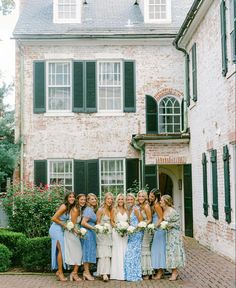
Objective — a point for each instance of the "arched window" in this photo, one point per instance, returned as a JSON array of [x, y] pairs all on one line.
[[169, 115]]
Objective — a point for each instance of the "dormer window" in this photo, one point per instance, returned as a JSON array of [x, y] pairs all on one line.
[[157, 11], [67, 11]]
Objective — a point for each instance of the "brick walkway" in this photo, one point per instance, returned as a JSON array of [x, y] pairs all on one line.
[[204, 269]]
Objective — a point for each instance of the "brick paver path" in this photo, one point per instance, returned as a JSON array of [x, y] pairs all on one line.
[[204, 269]]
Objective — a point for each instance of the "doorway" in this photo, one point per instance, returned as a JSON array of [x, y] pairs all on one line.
[[165, 184]]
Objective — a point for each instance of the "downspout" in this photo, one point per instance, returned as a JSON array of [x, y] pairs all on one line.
[[142, 151], [21, 136], [186, 85]]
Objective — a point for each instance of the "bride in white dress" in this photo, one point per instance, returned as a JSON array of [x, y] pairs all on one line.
[[73, 249], [119, 214]]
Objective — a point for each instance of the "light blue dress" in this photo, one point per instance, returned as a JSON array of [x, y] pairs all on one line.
[[132, 265], [56, 233], [158, 249], [89, 242]]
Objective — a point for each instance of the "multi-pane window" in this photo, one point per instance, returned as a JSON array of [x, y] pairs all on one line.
[[60, 173], [233, 29], [110, 86], [67, 9], [112, 176], [59, 86], [158, 11], [169, 115]]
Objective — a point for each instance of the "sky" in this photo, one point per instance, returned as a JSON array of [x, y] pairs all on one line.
[[7, 50]]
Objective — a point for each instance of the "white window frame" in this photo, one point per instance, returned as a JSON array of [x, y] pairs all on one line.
[[100, 172], [121, 84], [47, 86], [49, 161], [56, 18], [173, 123], [159, 21]]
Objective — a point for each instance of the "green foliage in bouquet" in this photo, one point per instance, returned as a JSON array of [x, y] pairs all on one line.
[[5, 258], [36, 253], [10, 239], [30, 211]]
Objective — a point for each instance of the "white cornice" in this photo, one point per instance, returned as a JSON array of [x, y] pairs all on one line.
[[183, 42]]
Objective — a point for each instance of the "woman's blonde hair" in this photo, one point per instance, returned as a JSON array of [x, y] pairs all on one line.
[[89, 196], [117, 198], [168, 200], [108, 194], [130, 195]]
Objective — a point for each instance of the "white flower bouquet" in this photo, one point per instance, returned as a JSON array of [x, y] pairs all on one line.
[[131, 229], [70, 225], [164, 225], [121, 228], [102, 228], [151, 228], [80, 231], [141, 226]]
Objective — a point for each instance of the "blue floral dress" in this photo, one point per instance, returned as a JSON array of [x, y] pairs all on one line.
[[56, 233], [175, 255], [132, 265], [89, 242]]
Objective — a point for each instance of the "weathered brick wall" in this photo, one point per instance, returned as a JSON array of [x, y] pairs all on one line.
[[212, 125], [91, 136]]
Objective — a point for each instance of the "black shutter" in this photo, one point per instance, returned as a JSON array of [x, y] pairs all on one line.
[[92, 177], [151, 115], [40, 172], [204, 181], [182, 115], [223, 38], [91, 100], [214, 184], [187, 94], [194, 72], [78, 87], [129, 87], [132, 172], [79, 176], [188, 205], [233, 33], [150, 176], [39, 87], [227, 184]]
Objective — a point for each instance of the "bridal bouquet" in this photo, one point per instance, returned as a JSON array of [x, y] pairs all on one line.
[[121, 228], [164, 225], [151, 228], [102, 228], [141, 226]]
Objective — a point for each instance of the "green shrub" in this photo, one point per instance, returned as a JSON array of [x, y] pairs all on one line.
[[5, 258], [10, 239], [30, 211], [36, 253]]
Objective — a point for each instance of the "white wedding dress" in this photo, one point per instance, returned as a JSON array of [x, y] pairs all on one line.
[[118, 250]]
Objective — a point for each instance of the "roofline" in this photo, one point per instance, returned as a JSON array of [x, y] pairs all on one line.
[[92, 36], [188, 20]]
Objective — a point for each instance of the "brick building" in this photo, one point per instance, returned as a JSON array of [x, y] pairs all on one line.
[[104, 98]]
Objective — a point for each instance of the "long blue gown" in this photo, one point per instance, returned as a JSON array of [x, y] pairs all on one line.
[[132, 265], [89, 242], [158, 249], [56, 233]]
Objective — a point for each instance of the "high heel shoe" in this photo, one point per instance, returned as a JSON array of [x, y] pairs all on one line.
[[174, 277], [105, 278], [158, 276], [74, 277], [87, 277], [61, 277]]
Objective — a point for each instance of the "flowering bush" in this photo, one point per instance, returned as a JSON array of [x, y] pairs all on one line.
[[30, 211]]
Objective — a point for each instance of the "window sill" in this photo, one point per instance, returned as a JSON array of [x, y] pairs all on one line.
[[59, 114], [110, 114]]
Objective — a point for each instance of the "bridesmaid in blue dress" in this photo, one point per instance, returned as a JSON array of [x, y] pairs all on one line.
[[132, 263], [158, 248], [89, 242], [56, 233]]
